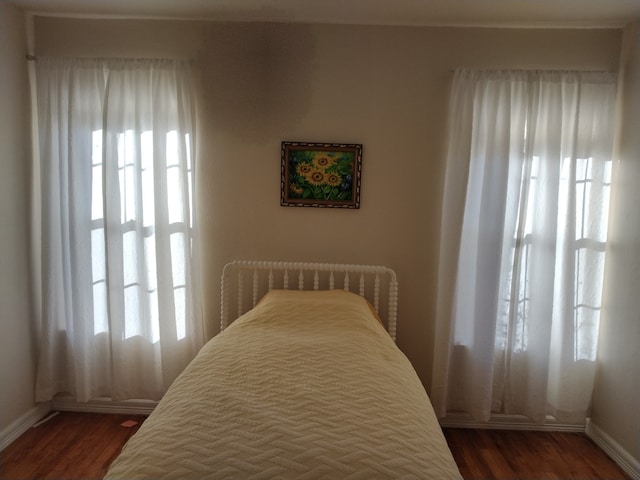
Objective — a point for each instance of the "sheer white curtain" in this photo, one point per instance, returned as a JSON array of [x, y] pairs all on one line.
[[522, 244], [121, 313]]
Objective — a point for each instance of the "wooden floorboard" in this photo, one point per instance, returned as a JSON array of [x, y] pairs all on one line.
[[68, 446], [515, 454], [83, 445]]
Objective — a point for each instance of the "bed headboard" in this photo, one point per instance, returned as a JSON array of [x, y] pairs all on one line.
[[245, 282]]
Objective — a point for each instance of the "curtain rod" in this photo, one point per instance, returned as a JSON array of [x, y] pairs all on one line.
[[31, 58], [453, 70]]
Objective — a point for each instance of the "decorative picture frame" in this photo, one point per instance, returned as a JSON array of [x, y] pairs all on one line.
[[320, 174]]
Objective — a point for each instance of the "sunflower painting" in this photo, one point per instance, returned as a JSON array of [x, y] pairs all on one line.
[[320, 174]]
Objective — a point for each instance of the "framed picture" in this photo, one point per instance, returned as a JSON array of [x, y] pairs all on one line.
[[320, 174]]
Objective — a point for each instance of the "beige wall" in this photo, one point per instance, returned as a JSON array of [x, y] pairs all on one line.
[[616, 399], [16, 340], [384, 87]]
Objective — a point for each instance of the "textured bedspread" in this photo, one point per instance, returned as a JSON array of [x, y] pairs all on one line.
[[307, 385]]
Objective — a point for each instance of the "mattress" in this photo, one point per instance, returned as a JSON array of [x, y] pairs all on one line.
[[306, 385]]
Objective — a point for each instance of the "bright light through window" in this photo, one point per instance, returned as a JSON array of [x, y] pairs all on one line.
[[138, 178]]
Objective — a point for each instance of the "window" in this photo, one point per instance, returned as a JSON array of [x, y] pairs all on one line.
[[520, 333], [121, 305]]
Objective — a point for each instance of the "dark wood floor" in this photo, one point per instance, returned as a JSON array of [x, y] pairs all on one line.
[[69, 446], [510, 454], [83, 445]]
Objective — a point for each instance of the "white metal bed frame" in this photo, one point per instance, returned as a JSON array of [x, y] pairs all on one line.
[[244, 282]]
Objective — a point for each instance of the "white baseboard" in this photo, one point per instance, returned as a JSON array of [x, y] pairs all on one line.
[[619, 455], [104, 405], [23, 423], [508, 422]]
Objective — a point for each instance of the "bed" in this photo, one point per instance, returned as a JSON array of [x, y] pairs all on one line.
[[304, 381]]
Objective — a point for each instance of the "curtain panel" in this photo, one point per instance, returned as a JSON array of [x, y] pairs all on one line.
[[121, 311], [523, 236]]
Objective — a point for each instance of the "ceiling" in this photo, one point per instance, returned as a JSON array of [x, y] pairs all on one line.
[[514, 13]]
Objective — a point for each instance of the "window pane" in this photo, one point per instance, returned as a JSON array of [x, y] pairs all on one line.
[[127, 175], [175, 195], [132, 324], [147, 177], [174, 180], [98, 271], [178, 263], [96, 176]]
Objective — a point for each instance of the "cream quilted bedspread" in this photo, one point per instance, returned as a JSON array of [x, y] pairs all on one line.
[[307, 385]]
